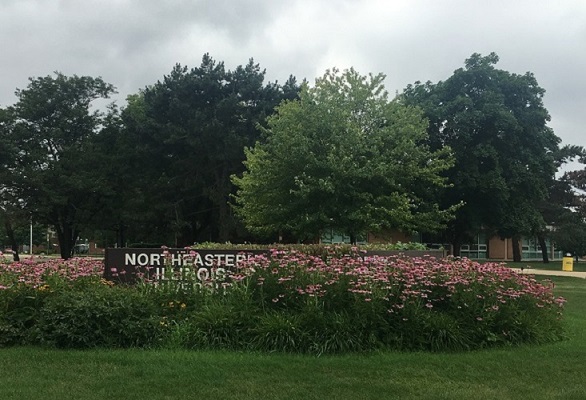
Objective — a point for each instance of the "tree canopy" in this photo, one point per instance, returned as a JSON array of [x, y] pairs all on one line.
[[470, 153], [496, 125], [342, 157], [50, 173], [187, 135]]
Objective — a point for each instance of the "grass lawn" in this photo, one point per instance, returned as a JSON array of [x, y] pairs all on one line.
[[555, 371], [552, 265]]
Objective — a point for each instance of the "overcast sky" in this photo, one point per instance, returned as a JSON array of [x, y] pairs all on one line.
[[133, 43]]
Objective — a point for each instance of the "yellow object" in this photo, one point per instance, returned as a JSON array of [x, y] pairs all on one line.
[[567, 264]]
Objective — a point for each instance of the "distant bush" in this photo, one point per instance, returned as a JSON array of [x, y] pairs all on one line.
[[315, 249], [300, 247], [286, 301], [146, 245]]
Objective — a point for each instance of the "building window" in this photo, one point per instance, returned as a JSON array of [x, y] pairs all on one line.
[[332, 237], [530, 250], [477, 249]]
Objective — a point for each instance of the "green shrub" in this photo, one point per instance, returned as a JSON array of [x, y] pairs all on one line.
[[99, 316], [321, 250], [279, 331], [335, 332], [215, 326], [19, 312]]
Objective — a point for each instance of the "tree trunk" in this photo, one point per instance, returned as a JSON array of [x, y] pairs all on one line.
[[516, 248], [221, 198], [223, 222], [456, 245], [121, 236], [543, 246], [11, 238], [353, 239], [66, 236]]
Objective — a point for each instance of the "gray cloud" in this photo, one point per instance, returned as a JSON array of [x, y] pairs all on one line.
[[133, 43]]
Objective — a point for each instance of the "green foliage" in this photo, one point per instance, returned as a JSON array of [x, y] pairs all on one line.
[[99, 316], [505, 154], [395, 246], [342, 157], [311, 331], [279, 332], [570, 236], [315, 249], [443, 332], [54, 173], [218, 325], [570, 222], [117, 175], [19, 312], [181, 140]]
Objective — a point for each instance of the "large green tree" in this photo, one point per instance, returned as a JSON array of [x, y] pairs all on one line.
[[52, 174], [185, 137], [496, 124], [342, 157]]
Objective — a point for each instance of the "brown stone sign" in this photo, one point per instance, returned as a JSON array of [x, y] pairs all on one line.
[[126, 264]]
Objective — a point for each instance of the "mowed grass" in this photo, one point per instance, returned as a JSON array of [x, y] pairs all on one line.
[[552, 265], [555, 371]]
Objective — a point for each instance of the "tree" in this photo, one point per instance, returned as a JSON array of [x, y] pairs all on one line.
[[496, 125], [561, 197], [8, 230], [52, 174], [7, 212], [570, 232], [113, 155], [342, 157], [187, 134]]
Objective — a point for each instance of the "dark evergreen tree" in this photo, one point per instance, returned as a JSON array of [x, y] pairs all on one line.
[[187, 135]]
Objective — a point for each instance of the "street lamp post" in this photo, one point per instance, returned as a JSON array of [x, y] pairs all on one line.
[[30, 249]]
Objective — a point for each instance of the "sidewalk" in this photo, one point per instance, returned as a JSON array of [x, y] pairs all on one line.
[[531, 271]]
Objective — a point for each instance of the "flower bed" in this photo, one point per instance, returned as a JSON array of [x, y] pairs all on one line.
[[410, 303], [286, 301], [34, 272]]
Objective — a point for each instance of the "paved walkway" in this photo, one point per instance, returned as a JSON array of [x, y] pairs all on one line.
[[531, 271]]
